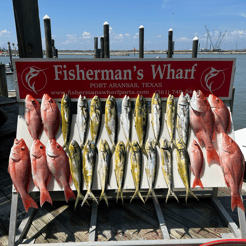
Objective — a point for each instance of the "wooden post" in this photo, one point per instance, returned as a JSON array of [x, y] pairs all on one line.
[[170, 43], [28, 28], [3, 81], [195, 47], [141, 41], [53, 47], [55, 53], [102, 47], [10, 57], [106, 39], [47, 30], [95, 47]]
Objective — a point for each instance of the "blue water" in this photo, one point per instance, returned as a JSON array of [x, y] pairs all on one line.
[[239, 109]]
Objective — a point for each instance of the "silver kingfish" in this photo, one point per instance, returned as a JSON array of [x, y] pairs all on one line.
[[183, 118], [151, 166], [156, 115], [171, 116], [95, 117]]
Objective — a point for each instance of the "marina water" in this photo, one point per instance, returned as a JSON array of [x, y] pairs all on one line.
[[239, 108]]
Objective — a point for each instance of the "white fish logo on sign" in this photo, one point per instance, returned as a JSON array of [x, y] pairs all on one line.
[[208, 81], [29, 77]]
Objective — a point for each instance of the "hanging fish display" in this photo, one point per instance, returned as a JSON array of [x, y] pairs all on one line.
[[171, 109]]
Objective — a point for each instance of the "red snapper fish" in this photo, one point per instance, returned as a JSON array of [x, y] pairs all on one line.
[[58, 163], [51, 116], [202, 123], [221, 113], [233, 164], [20, 172], [40, 171], [33, 117], [196, 161]]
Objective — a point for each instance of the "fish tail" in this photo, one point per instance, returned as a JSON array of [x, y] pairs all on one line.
[[89, 193], [45, 197], [80, 197], [153, 194], [191, 192], [28, 202], [119, 192], [212, 155], [196, 182], [236, 201], [69, 194], [170, 191], [137, 192], [103, 196]]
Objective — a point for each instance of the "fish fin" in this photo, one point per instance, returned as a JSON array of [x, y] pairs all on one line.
[[103, 196], [197, 182], [170, 191], [80, 197], [137, 192], [168, 194], [70, 180], [212, 155], [228, 130], [236, 201], [191, 192], [28, 202], [153, 194], [89, 193], [69, 194], [214, 135], [119, 192], [45, 197]]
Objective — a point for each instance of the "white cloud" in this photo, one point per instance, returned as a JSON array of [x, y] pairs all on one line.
[[164, 3], [71, 39], [135, 36], [86, 35], [243, 15], [159, 36], [183, 39], [4, 32], [127, 35]]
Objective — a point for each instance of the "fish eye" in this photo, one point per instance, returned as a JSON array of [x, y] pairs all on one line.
[[41, 147], [23, 148], [231, 140], [217, 99], [204, 100], [58, 146]]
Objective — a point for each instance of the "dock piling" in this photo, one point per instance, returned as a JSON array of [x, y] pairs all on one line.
[[3, 81], [28, 28], [53, 47], [195, 47], [141, 41], [96, 47], [47, 30], [10, 56], [101, 47], [106, 39], [170, 43]]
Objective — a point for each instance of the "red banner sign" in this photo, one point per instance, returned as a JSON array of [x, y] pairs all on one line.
[[119, 77]]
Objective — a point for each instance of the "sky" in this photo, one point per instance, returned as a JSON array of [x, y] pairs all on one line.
[[75, 23]]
